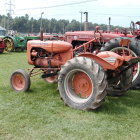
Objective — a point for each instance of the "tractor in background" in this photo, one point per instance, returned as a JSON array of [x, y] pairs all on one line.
[[17, 43], [2, 46], [135, 28], [109, 41], [134, 46], [83, 80]]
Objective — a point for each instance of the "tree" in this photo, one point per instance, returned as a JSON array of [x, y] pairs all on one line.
[[24, 24]]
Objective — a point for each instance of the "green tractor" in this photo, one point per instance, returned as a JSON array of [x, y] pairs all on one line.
[[17, 43]]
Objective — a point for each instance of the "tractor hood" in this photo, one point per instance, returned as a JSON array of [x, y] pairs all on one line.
[[50, 46], [88, 35]]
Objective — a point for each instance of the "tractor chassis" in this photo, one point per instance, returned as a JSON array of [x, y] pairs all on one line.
[[46, 72]]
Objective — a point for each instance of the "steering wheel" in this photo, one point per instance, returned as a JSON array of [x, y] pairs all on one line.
[[101, 39]]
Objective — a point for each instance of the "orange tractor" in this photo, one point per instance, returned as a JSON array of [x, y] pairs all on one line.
[[83, 80]]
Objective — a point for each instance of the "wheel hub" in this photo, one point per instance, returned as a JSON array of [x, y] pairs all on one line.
[[82, 85], [18, 82]]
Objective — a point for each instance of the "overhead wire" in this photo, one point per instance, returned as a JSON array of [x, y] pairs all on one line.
[[54, 6], [74, 3]]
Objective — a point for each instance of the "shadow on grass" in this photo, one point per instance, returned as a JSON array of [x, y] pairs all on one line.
[[121, 104], [112, 105]]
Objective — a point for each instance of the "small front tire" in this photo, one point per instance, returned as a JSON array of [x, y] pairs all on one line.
[[20, 81]]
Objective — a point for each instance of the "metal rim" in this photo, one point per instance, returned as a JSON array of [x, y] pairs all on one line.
[[78, 86], [18, 81], [8, 44], [136, 69]]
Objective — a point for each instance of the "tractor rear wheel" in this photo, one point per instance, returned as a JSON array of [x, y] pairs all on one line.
[[121, 84], [9, 45], [82, 84], [20, 80], [113, 45]]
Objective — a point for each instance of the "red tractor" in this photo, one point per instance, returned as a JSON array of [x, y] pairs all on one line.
[[109, 41], [83, 80], [2, 46]]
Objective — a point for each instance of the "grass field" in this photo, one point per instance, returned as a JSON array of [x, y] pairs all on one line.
[[40, 114]]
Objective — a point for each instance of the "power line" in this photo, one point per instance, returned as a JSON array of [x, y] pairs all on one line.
[[117, 15], [9, 12], [93, 15], [68, 4], [10, 9]]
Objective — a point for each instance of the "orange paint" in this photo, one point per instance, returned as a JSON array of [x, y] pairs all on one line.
[[82, 85]]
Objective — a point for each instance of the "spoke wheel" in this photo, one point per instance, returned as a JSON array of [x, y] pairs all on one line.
[[136, 68], [113, 45]]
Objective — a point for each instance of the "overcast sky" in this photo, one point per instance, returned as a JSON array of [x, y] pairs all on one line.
[[122, 12]]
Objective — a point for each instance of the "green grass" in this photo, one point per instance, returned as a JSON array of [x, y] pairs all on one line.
[[40, 114]]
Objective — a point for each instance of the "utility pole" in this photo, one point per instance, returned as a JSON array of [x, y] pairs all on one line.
[[32, 25], [9, 13], [86, 22], [109, 21], [81, 21], [41, 28]]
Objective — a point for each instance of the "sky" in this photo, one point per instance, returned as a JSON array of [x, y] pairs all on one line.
[[122, 12]]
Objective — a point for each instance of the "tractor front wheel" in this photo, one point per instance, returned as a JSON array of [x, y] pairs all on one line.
[[20, 80], [82, 84]]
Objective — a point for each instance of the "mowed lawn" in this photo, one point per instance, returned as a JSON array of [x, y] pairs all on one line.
[[41, 115]]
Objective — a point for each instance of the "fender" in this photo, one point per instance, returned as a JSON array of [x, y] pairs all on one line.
[[103, 62]]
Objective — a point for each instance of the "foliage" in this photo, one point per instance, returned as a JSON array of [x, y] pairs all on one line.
[[25, 24], [40, 114]]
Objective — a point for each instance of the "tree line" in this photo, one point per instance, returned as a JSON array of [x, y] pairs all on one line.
[[24, 24]]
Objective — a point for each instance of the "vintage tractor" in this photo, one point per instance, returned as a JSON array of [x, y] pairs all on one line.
[[2, 46], [17, 43], [13, 43], [83, 80], [109, 41]]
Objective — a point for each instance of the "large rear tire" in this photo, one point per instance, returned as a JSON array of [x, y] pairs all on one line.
[[82, 84], [113, 45], [20, 81]]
